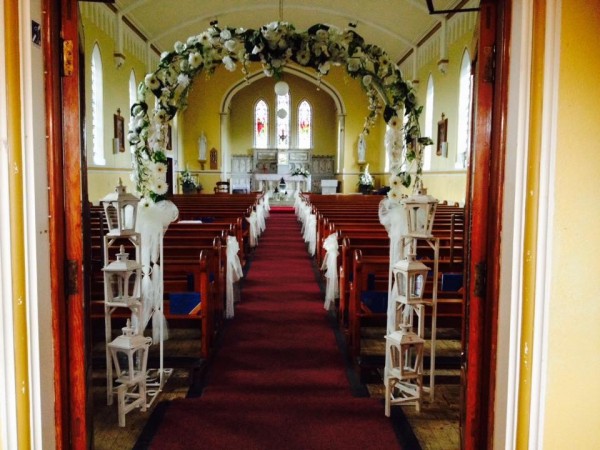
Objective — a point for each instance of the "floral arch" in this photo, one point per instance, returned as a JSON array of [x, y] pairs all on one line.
[[274, 46]]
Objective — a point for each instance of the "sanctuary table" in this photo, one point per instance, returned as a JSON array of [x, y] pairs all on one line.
[[271, 180]]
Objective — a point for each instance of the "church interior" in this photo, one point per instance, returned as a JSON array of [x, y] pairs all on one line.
[[282, 224]]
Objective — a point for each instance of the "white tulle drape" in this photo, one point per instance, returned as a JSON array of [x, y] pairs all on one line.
[[152, 222], [234, 273], [253, 231], [330, 266], [310, 233], [393, 217]]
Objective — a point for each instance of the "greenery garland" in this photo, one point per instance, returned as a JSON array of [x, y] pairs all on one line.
[[274, 45]]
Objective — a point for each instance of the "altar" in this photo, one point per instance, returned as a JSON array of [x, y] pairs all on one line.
[[269, 181]]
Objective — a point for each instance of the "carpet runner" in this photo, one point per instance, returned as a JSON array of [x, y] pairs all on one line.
[[278, 379]]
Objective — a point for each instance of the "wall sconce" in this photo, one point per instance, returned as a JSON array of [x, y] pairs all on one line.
[[443, 65], [119, 59]]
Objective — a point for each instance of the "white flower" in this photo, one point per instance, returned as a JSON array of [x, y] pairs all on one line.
[[324, 68], [179, 47], [268, 72], [146, 202], [161, 115], [395, 182], [322, 35], [353, 64], [183, 80], [303, 57], [276, 63], [229, 63], [395, 122], [367, 80], [225, 35], [184, 65], [159, 171], [151, 81], [159, 187], [195, 59], [204, 38], [192, 40], [230, 45], [163, 55]]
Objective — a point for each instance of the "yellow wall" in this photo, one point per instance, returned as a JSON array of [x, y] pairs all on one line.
[[103, 179], [443, 180], [573, 391], [202, 114]]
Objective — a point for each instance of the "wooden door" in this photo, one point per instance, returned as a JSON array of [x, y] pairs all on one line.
[[484, 216], [65, 169]]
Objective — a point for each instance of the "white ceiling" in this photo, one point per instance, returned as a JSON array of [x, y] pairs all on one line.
[[395, 25]]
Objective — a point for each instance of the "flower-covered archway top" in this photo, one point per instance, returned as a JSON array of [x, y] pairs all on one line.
[[275, 45]]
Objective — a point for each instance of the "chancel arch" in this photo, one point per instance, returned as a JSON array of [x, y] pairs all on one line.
[[322, 100]]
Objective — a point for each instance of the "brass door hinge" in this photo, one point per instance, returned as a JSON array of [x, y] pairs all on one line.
[[72, 286], [67, 58], [489, 59], [480, 279]]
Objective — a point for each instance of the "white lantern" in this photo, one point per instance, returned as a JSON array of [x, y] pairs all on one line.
[[132, 348], [120, 210], [410, 276], [281, 88], [420, 212], [120, 289], [404, 375]]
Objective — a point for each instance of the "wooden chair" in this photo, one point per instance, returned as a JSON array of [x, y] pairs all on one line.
[[222, 187]]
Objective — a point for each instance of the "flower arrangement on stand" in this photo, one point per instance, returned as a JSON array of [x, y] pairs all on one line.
[[365, 181], [188, 182], [300, 171]]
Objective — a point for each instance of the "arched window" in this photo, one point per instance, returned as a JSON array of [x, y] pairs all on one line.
[[132, 89], [283, 121], [304, 125], [428, 123], [261, 124], [97, 108], [465, 95]]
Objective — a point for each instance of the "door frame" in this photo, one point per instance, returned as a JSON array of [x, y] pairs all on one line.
[[484, 214], [65, 166]]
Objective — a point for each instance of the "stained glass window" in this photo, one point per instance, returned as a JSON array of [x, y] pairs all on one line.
[[304, 125], [261, 124], [283, 121]]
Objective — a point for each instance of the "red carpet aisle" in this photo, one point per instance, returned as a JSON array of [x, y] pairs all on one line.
[[278, 379]]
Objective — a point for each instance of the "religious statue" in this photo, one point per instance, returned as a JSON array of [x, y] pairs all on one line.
[[362, 148], [202, 147]]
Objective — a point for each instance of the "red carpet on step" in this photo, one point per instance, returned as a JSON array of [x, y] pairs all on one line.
[[278, 380]]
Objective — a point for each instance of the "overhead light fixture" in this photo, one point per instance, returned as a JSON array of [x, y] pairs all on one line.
[[457, 9], [119, 59], [281, 88]]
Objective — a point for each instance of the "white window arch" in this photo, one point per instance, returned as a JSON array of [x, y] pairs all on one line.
[[261, 124], [305, 122], [428, 131], [97, 108], [465, 96]]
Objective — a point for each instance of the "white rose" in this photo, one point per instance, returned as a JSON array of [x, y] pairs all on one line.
[[179, 47], [225, 34], [229, 63], [230, 45], [195, 59]]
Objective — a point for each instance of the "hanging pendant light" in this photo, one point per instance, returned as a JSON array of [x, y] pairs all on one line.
[[281, 88]]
